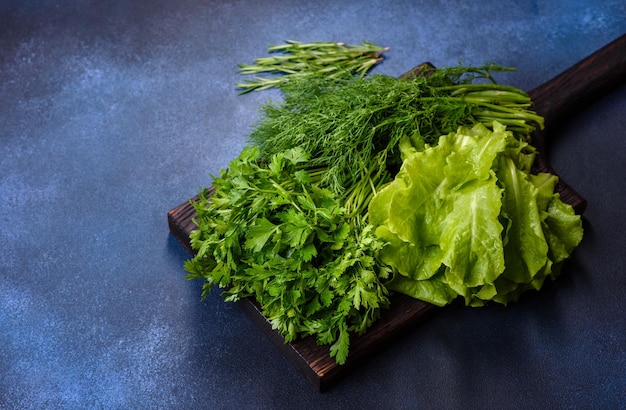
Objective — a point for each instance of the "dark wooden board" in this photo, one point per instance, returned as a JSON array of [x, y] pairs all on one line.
[[556, 99]]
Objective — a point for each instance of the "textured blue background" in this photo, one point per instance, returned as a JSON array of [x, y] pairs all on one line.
[[113, 112]]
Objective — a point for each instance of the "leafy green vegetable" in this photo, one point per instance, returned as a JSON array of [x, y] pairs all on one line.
[[466, 218], [268, 231]]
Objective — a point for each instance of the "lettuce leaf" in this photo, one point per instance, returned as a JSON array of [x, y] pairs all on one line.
[[466, 218]]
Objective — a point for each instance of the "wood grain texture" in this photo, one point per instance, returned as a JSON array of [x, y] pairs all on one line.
[[555, 100]]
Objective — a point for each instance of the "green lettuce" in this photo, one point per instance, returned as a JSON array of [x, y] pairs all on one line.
[[467, 218]]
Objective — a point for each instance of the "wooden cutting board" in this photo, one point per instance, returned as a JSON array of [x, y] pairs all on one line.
[[555, 100]]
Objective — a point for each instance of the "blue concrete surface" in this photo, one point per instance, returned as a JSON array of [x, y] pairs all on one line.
[[113, 112]]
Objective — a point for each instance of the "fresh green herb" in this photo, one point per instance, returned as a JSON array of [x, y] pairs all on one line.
[[268, 231], [298, 59], [350, 126]]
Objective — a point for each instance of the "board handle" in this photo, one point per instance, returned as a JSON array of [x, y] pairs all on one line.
[[582, 83], [570, 91]]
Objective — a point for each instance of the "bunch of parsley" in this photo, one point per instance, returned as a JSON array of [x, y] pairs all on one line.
[[268, 231]]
